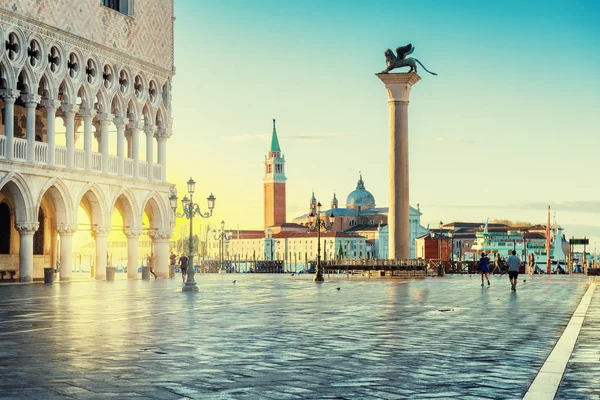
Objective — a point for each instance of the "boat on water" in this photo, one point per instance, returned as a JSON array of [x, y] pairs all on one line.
[[501, 243]]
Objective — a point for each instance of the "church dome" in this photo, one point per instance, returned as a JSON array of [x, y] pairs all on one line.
[[360, 198]]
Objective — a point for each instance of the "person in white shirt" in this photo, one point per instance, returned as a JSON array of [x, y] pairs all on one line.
[[513, 270]]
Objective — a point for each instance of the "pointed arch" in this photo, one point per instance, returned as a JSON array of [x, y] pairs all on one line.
[[154, 207], [7, 78], [103, 103], [58, 195], [26, 81], [93, 201], [47, 88], [125, 202], [133, 112], [66, 92], [161, 118], [86, 97], [117, 106], [20, 197], [148, 114]]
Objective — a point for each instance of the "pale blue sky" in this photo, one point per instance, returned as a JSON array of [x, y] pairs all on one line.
[[510, 124]]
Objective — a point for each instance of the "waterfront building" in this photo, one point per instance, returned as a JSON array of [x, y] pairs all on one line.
[[103, 71]]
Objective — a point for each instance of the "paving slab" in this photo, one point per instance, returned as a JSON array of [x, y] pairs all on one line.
[[284, 337]]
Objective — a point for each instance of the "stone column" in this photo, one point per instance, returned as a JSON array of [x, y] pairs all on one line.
[[398, 87], [149, 130], [104, 119], [132, 251], [135, 147], [66, 232], [26, 231], [9, 96], [120, 123], [51, 106], [31, 101], [161, 137], [101, 236], [70, 111], [160, 239], [88, 115]]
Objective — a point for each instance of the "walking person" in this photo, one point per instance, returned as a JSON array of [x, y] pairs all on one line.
[[513, 270], [183, 262], [484, 267]]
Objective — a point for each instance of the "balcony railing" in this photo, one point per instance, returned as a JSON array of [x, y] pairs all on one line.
[[40, 155]]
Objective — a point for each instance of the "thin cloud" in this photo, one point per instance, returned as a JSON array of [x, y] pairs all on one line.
[[261, 137], [450, 140]]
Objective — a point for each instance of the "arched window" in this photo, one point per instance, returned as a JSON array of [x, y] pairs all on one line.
[[4, 229], [38, 236]]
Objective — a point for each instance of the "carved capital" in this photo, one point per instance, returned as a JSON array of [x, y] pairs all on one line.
[[163, 133], [132, 232], [100, 231], [9, 95], [51, 104], [120, 122], [105, 118], [87, 113], [161, 234], [27, 228], [398, 85], [70, 109], [149, 129], [133, 124], [31, 99], [66, 229]]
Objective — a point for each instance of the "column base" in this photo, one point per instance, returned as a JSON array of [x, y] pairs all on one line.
[[26, 279], [190, 287]]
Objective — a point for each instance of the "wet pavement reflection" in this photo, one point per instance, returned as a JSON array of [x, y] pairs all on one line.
[[280, 337]]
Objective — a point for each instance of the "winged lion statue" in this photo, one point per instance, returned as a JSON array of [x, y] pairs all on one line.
[[400, 60]]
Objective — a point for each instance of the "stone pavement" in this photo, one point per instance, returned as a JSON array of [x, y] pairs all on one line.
[[581, 379], [282, 337]]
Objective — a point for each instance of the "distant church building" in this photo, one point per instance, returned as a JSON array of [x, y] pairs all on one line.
[[360, 229], [362, 217]]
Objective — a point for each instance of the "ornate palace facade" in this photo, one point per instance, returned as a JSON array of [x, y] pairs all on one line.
[[103, 69]]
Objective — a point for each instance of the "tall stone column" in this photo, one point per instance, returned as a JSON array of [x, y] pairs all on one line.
[[101, 236], [31, 101], [161, 137], [398, 87], [160, 239], [66, 232], [132, 251], [70, 111], [105, 120], [9, 96], [149, 130], [26, 231], [135, 147], [120, 123], [88, 115], [51, 107]]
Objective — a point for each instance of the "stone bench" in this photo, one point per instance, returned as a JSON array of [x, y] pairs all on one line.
[[8, 272]]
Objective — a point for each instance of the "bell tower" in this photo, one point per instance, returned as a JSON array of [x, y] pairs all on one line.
[[274, 184]]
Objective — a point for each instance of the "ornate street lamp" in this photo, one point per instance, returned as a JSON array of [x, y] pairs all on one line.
[[316, 222], [221, 235], [189, 210], [450, 235]]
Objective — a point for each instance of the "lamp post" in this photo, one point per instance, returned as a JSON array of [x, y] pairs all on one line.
[[316, 223], [440, 246], [189, 210], [221, 235]]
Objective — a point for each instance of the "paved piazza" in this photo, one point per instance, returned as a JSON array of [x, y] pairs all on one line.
[[284, 337]]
